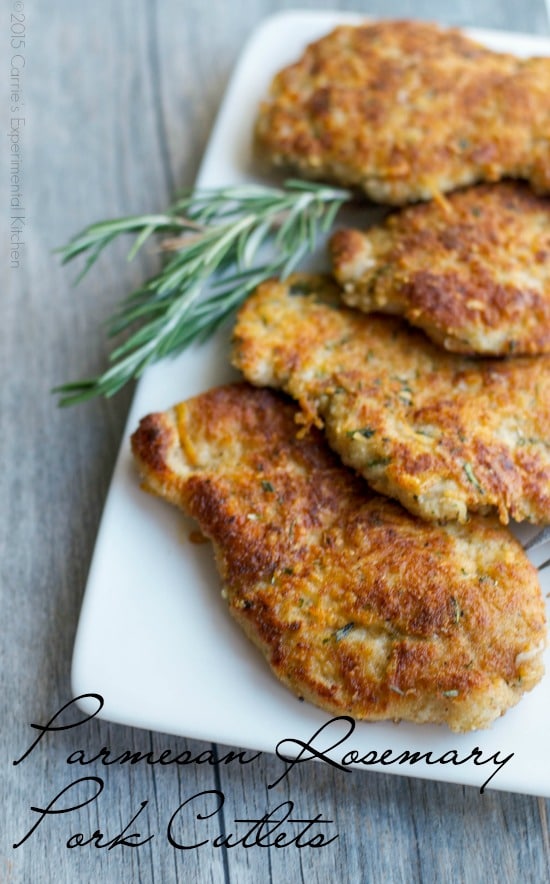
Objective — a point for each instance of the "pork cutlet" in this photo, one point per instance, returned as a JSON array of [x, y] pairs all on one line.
[[404, 110], [472, 272], [446, 435], [358, 606]]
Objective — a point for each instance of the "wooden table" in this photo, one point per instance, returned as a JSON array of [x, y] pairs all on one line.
[[119, 99]]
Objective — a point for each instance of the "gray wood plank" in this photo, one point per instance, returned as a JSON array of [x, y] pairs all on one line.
[[119, 102]]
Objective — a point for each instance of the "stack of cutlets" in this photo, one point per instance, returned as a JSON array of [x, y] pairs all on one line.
[[359, 513]]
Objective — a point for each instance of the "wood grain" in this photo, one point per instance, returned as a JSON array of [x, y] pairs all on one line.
[[119, 102]]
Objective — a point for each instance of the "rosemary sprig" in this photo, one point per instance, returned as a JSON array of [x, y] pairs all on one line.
[[221, 243]]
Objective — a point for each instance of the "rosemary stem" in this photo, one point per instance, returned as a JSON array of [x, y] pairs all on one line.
[[208, 272]]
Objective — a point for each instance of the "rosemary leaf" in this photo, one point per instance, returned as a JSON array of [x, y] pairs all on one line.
[[213, 240]]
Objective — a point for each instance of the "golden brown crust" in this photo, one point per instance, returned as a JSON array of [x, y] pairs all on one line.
[[444, 434], [473, 272], [358, 606], [405, 110]]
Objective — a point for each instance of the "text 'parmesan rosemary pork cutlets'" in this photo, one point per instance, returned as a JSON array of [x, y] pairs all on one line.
[[444, 434], [473, 272], [404, 110], [358, 606]]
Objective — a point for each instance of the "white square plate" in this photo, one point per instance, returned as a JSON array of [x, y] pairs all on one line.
[[155, 638]]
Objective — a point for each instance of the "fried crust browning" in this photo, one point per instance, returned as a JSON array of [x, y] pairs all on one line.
[[404, 110], [473, 272], [444, 434], [358, 606]]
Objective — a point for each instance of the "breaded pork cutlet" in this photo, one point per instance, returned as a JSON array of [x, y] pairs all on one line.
[[405, 110], [473, 272], [358, 606], [444, 434]]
